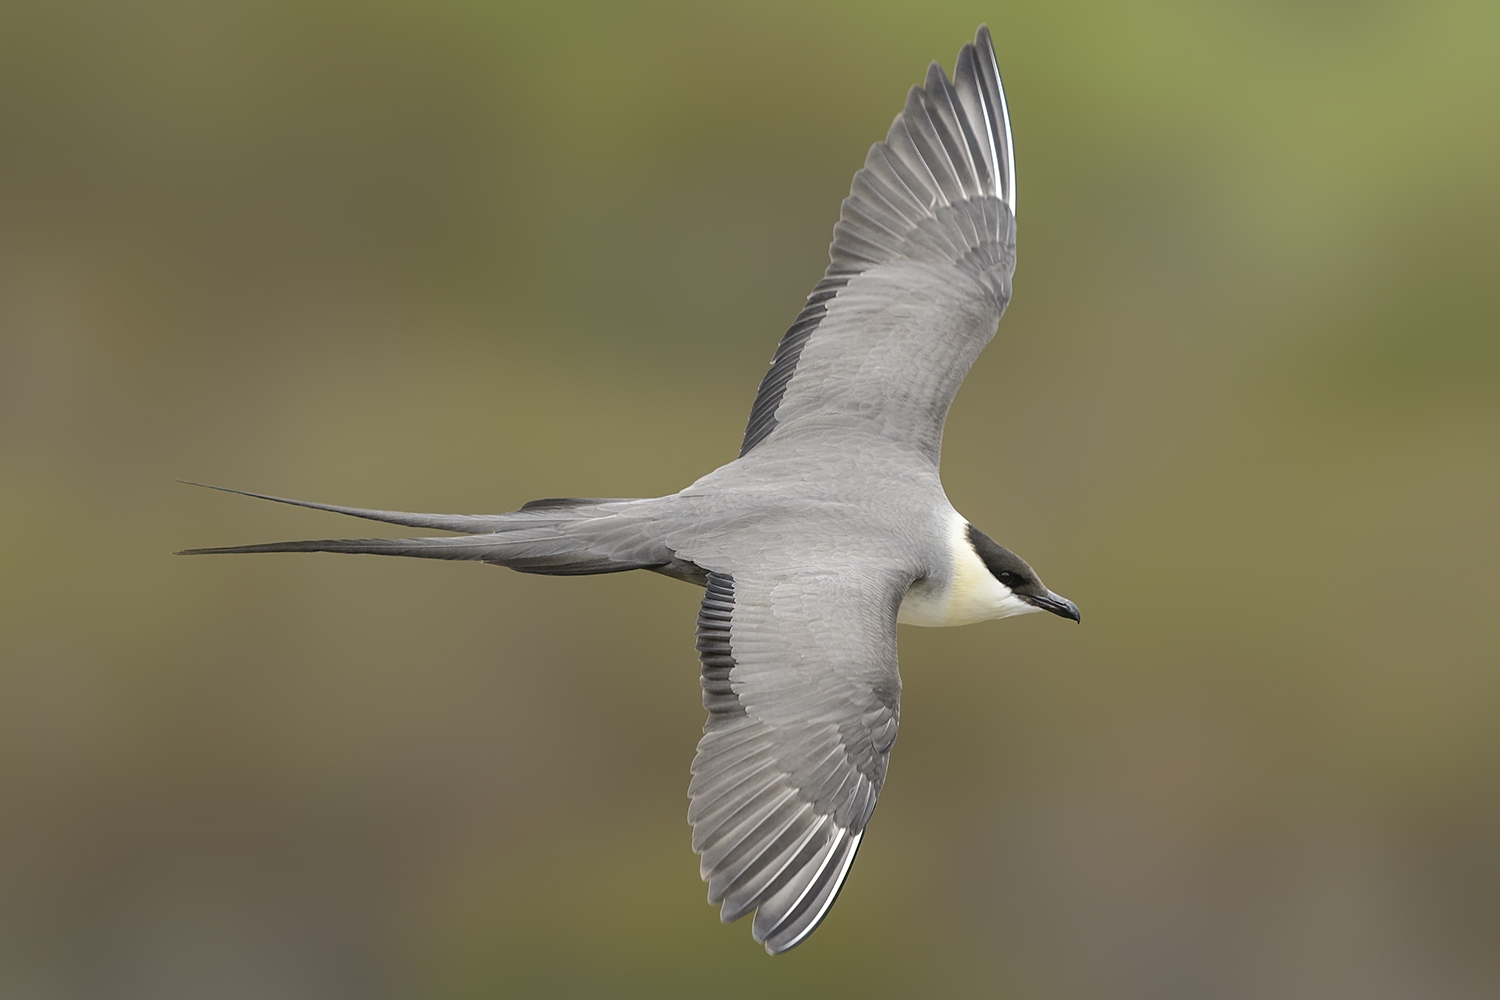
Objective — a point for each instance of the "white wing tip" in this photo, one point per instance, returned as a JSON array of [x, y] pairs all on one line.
[[838, 883], [984, 42]]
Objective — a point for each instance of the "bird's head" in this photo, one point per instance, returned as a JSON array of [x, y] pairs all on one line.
[[1018, 578]]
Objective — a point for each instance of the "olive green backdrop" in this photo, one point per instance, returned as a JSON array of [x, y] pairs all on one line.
[[1244, 409]]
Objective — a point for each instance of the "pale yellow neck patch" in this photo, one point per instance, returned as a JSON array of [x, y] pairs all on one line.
[[970, 594]]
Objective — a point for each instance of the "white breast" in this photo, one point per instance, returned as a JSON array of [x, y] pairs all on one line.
[[971, 594]]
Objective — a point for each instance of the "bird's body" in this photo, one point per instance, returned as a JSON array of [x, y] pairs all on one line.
[[830, 527]]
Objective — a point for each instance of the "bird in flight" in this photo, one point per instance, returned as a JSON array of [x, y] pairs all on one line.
[[832, 524]]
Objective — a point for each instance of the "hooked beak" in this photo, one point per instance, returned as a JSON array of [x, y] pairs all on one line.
[[1057, 605]]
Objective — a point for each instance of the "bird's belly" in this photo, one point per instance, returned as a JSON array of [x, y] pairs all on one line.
[[926, 605], [934, 607]]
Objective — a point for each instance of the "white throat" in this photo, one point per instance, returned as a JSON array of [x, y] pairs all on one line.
[[971, 594]]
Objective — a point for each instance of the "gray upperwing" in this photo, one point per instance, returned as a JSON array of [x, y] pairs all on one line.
[[919, 271], [800, 680]]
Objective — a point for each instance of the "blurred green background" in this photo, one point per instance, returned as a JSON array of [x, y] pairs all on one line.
[[1244, 409]]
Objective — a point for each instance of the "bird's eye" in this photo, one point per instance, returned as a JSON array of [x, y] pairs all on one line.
[[1008, 578]]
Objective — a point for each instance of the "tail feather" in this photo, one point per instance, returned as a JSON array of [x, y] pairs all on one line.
[[426, 548], [468, 523], [569, 537]]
